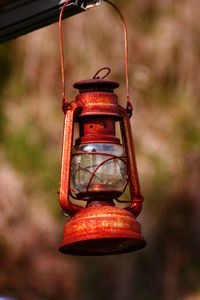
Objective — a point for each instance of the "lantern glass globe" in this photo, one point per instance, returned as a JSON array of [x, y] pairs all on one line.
[[97, 165]]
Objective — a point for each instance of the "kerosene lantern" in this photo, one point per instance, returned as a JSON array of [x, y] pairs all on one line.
[[96, 169]]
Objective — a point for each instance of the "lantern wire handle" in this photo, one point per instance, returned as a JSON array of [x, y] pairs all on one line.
[[64, 98], [129, 104]]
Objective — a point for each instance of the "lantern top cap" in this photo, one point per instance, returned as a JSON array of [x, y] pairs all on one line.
[[96, 85]]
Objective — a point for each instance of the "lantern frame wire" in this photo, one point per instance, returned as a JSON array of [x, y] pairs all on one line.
[[122, 158], [112, 157]]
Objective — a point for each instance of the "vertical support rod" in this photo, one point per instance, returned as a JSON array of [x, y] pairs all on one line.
[[71, 111], [134, 184]]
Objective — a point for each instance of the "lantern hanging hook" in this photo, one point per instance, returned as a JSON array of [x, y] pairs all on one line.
[[99, 71], [64, 97]]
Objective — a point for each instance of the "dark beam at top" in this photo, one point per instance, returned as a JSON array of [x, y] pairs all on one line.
[[23, 16]]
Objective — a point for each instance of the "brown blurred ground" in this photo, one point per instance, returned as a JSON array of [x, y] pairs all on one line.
[[164, 41]]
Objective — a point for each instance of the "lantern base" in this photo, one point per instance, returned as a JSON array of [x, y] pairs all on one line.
[[102, 229]]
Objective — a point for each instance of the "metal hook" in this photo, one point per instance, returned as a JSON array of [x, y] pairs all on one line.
[[99, 77]]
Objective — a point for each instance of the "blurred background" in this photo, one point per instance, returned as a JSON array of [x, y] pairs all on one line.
[[164, 59]]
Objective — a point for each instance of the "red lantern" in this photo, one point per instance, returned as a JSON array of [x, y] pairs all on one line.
[[96, 170]]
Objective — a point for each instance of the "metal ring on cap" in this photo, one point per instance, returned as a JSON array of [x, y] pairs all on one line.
[[99, 71]]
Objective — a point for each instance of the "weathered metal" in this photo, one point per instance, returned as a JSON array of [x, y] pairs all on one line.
[[100, 228]]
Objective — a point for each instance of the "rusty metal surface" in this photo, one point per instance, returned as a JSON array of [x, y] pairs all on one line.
[[134, 184], [96, 128], [102, 229], [98, 103], [99, 229], [66, 205]]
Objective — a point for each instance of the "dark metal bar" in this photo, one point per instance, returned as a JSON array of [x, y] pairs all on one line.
[[23, 16]]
